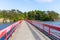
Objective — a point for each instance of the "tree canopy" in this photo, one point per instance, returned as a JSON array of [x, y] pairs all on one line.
[[16, 15]]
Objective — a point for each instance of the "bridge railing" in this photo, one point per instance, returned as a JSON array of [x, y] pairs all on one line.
[[50, 29], [6, 33]]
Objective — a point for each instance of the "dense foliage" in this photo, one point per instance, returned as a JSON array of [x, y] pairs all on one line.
[[31, 15]]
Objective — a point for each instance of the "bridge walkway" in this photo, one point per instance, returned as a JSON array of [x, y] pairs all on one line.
[[26, 31]]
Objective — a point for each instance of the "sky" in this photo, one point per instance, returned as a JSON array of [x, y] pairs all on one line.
[[28, 5]]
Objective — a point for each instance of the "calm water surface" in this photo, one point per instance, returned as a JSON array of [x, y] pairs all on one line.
[[4, 25], [56, 23]]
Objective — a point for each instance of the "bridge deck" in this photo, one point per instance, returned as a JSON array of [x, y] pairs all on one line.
[[26, 31]]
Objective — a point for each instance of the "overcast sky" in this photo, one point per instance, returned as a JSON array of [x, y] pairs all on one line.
[[27, 5]]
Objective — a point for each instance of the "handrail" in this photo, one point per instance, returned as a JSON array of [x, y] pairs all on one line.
[[46, 25], [2, 33], [53, 27], [9, 28]]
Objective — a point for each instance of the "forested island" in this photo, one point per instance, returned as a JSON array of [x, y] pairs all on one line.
[[15, 15]]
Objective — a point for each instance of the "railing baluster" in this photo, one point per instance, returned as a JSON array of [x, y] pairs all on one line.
[[43, 28], [49, 31], [6, 36]]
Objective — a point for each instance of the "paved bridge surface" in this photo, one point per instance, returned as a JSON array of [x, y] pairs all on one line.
[[26, 31]]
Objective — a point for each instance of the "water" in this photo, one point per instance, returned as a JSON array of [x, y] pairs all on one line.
[[56, 23], [4, 25]]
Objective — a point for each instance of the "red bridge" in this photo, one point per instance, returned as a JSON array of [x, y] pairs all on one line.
[[30, 30]]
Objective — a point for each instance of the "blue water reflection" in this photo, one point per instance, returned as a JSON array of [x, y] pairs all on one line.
[[4, 25], [56, 23]]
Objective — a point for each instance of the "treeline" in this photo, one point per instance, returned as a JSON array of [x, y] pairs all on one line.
[[13, 14], [16, 15], [43, 15]]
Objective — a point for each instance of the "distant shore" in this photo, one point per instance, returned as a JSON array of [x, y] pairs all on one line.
[[2, 20]]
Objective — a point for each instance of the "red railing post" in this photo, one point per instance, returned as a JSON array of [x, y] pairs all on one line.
[[6, 37], [43, 28], [15, 28], [11, 33], [49, 31]]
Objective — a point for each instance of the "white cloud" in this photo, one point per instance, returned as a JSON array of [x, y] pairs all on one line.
[[44, 0]]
